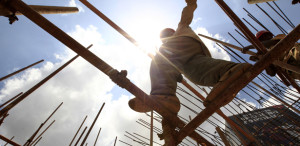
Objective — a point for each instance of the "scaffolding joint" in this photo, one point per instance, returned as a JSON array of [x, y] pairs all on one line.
[[119, 78]]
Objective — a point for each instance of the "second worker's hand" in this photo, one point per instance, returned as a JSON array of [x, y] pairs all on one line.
[[190, 2]]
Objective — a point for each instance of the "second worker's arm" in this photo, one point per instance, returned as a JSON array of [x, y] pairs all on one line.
[[188, 13]]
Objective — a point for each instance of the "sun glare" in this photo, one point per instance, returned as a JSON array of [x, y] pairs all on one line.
[[146, 33]]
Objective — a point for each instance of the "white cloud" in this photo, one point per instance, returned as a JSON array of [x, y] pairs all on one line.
[[214, 49], [72, 3]]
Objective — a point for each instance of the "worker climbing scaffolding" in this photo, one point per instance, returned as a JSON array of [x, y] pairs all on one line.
[[291, 57], [183, 52]]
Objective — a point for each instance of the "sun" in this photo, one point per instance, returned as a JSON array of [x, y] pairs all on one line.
[[146, 33]]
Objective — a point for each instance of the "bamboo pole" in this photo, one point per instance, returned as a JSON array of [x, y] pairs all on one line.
[[80, 136], [23, 96], [78, 130], [20, 70], [242, 81], [37, 131], [44, 131], [122, 81], [9, 141], [90, 129], [97, 137], [223, 137], [10, 100]]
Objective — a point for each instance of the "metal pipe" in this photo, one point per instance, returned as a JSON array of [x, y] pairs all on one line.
[[20, 70], [78, 130], [90, 129], [22, 97]]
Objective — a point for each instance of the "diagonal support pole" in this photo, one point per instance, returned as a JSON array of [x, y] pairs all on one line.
[[240, 83]]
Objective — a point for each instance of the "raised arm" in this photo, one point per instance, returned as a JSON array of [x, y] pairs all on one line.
[[188, 13]]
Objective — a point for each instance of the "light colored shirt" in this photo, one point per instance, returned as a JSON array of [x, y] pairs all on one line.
[[184, 30]]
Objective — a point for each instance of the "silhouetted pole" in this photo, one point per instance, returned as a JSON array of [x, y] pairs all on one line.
[[78, 131], [43, 131], [223, 137], [80, 136], [38, 141], [151, 129], [9, 141], [18, 100], [90, 129], [116, 141], [10, 100], [97, 137], [37, 131], [7, 76]]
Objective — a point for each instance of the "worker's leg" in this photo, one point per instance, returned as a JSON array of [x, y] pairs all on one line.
[[206, 71]]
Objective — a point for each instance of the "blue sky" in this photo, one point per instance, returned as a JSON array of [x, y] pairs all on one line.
[[81, 84]]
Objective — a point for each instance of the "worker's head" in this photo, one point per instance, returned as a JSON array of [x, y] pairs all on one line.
[[264, 35], [165, 33]]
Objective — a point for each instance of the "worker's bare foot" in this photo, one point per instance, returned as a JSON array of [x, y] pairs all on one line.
[[232, 74], [171, 103]]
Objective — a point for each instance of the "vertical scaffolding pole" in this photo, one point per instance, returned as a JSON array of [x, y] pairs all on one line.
[[44, 131], [90, 129], [20, 70], [78, 130], [116, 141], [36, 132], [22, 97], [151, 129], [97, 137]]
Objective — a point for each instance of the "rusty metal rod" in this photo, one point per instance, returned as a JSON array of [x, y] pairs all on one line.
[[78, 130], [250, 24], [80, 136], [96, 61], [10, 100], [284, 14], [242, 81], [44, 131], [23, 96], [97, 137], [9, 141], [90, 129], [37, 131], [20, 70]]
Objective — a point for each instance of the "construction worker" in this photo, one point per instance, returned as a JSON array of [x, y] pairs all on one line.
[[268, 40], [182, 51]]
